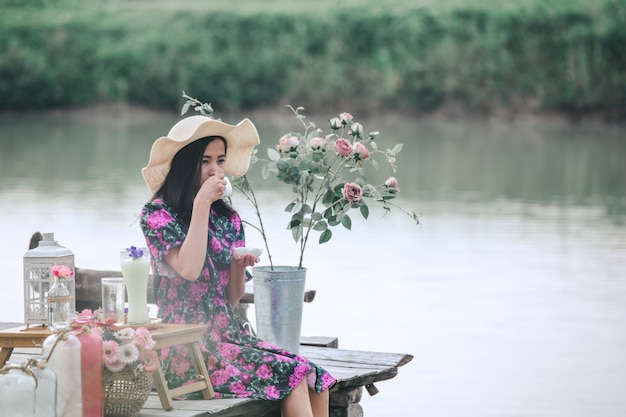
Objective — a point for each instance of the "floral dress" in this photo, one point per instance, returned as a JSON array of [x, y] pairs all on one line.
[[240, 364]]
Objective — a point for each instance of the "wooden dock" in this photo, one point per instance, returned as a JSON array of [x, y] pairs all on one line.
[[354, 370]]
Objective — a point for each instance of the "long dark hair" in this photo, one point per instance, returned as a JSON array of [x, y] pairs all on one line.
[[183, 181]]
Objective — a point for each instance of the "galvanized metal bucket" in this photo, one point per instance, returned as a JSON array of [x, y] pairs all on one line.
[[278, 300]]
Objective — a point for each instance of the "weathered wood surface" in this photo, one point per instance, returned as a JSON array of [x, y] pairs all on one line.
[[354, 369]]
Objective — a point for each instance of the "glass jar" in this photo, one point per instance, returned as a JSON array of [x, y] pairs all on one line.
[[62, 351], [59, 305], [17, 391]]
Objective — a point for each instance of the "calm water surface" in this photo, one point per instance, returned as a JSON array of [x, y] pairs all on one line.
[[511, 295]]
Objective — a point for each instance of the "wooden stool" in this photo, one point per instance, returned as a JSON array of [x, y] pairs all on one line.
[[168, 335], [21, 337]]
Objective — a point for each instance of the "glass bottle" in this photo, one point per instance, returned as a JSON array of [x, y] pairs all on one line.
[[17, 391], [63, 356], [46, 392], [59, 311]]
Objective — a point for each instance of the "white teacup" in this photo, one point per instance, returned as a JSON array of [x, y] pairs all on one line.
[[228, 191]]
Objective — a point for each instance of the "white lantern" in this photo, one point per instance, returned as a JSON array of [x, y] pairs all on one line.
[[38, 278]]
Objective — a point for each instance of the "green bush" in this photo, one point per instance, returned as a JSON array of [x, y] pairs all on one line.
[[366, 55]]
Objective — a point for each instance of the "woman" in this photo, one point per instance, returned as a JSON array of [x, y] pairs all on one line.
[[191, 233]]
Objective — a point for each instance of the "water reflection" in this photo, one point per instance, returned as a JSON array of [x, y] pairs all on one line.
[[452, 161]]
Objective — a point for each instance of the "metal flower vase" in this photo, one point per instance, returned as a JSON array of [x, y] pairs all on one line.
[[278, 301]]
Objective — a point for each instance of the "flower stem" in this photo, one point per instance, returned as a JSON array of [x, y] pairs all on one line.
[[261, 229]]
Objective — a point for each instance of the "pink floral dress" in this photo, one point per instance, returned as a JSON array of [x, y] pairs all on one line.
[[240, 364]]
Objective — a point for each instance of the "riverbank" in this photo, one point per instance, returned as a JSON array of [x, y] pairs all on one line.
[[128, 114]]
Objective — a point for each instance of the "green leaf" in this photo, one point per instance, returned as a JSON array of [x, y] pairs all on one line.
[[365, 211], [319, 226], [346, 222], [273, 154], [396, 149], [334, 221], [296, 232], [317, 216], [329, 197], [265, 172], [297, 207], [325, 236]]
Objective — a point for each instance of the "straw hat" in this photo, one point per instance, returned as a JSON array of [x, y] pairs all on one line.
[[240, 141]]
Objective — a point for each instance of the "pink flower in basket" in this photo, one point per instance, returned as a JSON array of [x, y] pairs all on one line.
[[124, 348]]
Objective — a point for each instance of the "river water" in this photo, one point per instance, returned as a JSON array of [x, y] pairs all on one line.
[[511, 295]]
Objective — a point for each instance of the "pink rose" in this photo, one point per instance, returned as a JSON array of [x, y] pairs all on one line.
[[391, 182], [352, 192], [361, 151], [345, 118], [343, 147], [317, 143], [288, 143]]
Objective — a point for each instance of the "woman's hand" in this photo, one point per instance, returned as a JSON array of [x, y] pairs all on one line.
[[236, 285], [245, 260], [212, 189]]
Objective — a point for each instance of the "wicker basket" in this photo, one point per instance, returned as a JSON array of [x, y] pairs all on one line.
[[125, 393]]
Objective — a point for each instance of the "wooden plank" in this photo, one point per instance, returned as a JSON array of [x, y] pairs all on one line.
[[321, 341], [356, 356], [215, 407]]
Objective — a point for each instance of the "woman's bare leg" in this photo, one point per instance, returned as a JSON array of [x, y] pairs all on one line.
[[297, 403], [319, 403]]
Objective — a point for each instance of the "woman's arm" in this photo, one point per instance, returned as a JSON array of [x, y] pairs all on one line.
[[237, 282], [188, 259]]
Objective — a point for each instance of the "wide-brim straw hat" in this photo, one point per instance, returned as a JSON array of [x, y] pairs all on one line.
[[240, 142]]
